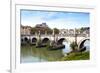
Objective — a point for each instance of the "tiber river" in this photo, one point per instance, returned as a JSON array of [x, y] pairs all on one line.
[[30, 54]]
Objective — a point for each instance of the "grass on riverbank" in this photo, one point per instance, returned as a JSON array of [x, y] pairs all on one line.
[[77, 56]]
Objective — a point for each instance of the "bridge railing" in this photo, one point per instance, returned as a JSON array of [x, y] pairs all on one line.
[[73, 35], [64, 35]]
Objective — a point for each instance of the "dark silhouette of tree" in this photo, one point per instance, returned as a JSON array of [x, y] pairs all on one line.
[[56, 31], [74, 46], [33, 30]]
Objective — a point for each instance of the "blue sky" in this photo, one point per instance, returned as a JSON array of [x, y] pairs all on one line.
[[61, 20]]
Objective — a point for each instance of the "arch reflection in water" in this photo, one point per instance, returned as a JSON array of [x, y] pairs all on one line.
[[87, 45], [67, 48]]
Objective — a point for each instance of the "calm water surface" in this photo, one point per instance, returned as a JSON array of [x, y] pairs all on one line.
[[30, 54]]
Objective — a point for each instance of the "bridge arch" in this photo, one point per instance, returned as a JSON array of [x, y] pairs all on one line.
[[61, 40], [33, 40], [81, 43], [22, 40], [26, 39], [45, 40]]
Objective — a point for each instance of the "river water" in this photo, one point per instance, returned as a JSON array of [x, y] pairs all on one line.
[[30, 54]]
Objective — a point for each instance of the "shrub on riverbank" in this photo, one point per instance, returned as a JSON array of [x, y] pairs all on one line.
[[74, 46]]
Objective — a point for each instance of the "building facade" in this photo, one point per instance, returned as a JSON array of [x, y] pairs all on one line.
[[25, 30]]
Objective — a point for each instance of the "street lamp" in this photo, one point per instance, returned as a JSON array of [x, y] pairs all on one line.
[[54, 34], [75, 35]]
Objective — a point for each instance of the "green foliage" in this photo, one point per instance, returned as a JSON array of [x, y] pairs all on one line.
[[42, 30], [83, 29], [56, 31], [49, 31], [33, 30], [77, 56], [38, 42], [48, 46], [74, 46]]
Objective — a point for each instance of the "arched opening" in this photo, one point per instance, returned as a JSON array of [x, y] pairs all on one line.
[[85, 44], [26, 40], [66, 43], [22, 40], [34, 40], [60, 41], [45, 41]]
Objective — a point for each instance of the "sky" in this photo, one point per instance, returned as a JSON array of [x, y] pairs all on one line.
[[60, 20]]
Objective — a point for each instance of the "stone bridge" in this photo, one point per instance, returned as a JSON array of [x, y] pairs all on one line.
[[32, 39]]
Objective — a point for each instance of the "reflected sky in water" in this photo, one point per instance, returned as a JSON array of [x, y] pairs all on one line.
[[67, 48]]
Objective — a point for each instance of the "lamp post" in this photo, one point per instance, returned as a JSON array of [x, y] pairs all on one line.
[[45, 32], [39, 36], [39, 43], [75, 33], [54, 34]]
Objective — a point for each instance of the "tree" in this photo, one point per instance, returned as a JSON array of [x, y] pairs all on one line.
[[74, 46], [81, 30], [56, 31], [49, 31], [33, 30]]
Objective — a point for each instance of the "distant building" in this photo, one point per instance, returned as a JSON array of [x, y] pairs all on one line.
[[43, 25], [71, 31], [25, 30], [43, 28], [63, 31], [66, 31]]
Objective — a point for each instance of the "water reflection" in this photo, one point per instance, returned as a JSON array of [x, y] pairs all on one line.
[[87, 45], [31, 54], [30, 59], [67, 48]]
